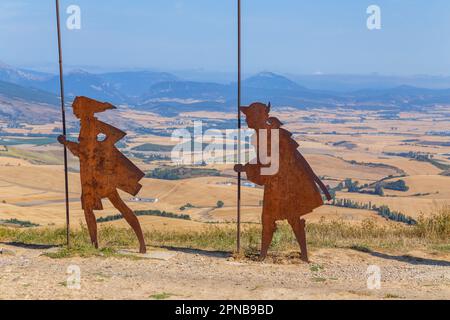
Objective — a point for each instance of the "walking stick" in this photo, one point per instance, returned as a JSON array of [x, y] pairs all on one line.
[[239, 129], [63, 113]]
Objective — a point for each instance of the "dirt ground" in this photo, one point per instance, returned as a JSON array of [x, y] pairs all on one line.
[[187, 274]]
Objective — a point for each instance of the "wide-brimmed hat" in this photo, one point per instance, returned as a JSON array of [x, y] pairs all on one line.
[[85, 104]]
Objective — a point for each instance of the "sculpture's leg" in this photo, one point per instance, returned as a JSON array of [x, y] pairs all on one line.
[[298, 225], [92, 226], [130, 217], [269, 227]]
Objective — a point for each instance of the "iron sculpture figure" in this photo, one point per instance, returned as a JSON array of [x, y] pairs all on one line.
[[103, 168], [291, 192]]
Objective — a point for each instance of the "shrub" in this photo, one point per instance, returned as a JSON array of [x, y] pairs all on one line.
[[157, 213], [20, 223], [437, 226], [399, 185], [379, 190], [383, 211]]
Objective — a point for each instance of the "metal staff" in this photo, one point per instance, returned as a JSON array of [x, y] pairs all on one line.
[[63, 112], [239, 129]]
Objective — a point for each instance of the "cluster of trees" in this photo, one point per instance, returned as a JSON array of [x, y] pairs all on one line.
[[152, 147], [187, 206], [350, 185], [386, 212], [164, 174], [347, 203], [438, 133], [146, 213], [178, 173], [378, 189], [421, 156], [353, 186], [399, 185], [383, 210], [219, 205], [151, 157], [20, 223], [333, 191]]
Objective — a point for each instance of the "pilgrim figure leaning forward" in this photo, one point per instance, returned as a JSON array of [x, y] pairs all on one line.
[[290, 190], [103, 168]]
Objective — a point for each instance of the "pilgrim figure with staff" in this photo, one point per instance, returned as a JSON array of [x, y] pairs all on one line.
[[291, 188], [103, 168]]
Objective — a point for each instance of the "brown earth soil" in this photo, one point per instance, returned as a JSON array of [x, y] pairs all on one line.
[[187, 274]]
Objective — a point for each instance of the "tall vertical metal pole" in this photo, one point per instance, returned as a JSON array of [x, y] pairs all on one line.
[[63, 112], [239, 130]]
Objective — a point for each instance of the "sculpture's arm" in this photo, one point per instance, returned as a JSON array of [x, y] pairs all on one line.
[[73, 147], [253, 172]]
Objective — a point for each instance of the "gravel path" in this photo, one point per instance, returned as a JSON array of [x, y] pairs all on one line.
[[187, 274]]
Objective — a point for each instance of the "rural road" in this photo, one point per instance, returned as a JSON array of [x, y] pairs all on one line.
[[187, 274]]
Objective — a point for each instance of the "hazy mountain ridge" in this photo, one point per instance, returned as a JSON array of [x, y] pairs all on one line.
[[21, 76], [135, 84], [14, 91], [166, 93], [24, 104], [355, 82]]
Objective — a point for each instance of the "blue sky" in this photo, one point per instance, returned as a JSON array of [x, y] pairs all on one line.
[[289, 36]]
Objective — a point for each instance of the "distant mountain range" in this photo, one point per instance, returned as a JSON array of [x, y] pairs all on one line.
[[168, 94], [27, 104]]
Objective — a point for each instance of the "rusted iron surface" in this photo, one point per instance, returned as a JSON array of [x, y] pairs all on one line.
[[290, 192], [103, 168]]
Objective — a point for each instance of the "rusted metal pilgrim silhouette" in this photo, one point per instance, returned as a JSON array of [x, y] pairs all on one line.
[[291, 191], [103, 168]]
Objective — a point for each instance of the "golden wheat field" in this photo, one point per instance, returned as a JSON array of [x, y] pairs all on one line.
[[32, 180]]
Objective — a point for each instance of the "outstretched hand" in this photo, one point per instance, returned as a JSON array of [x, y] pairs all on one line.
[[239, 168], [62, 139]]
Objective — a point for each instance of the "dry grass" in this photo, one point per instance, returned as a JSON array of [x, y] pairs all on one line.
[[436, 226], [431, 233]]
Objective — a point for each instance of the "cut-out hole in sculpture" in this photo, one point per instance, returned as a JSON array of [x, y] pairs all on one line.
[[101, 137]]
